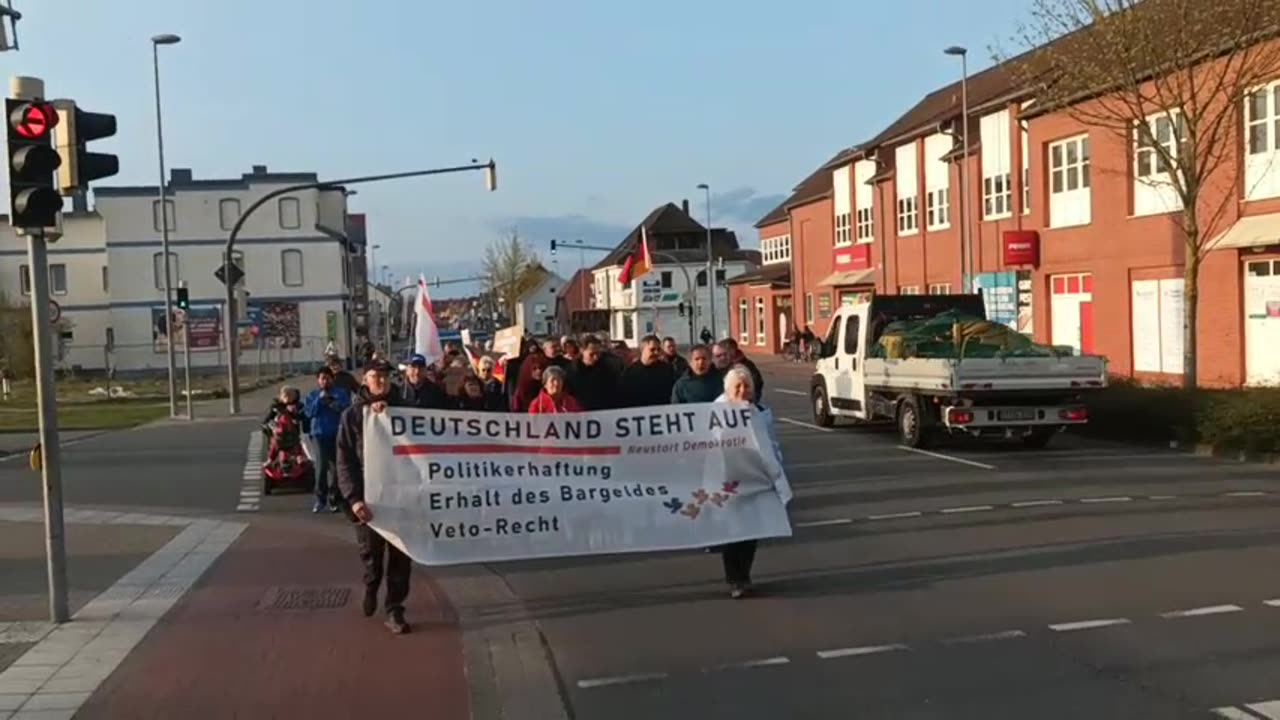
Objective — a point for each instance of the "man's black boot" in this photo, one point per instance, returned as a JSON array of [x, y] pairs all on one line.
[[370, 605]]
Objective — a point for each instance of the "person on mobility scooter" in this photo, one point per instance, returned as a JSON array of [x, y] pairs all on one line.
[[287, 463]]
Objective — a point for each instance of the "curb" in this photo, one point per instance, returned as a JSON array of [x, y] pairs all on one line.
[[1243, 456]]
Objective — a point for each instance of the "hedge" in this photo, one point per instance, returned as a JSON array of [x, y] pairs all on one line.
[[1246, 420]]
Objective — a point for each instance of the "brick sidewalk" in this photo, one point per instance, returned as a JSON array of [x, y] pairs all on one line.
[[230, 650]]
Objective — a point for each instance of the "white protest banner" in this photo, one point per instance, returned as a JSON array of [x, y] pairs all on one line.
[[459, 487]]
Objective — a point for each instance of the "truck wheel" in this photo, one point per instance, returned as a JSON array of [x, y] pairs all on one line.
[[1038, 438], [821, 410], [911, 428]]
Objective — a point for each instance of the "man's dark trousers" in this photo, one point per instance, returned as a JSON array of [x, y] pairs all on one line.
[[373, 549], [326, 463]]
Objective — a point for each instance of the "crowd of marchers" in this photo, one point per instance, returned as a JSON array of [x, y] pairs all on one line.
[[570, 374]]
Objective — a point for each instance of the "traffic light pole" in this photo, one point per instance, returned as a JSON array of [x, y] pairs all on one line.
[[229, 323]]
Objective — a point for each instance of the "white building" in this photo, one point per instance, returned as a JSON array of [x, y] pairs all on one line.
[[678, 248], [107, 272], [536, 307]]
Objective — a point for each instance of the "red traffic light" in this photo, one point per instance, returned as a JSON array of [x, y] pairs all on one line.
[[33, 120]]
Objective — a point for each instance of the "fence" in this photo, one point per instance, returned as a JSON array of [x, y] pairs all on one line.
[[259, 357]]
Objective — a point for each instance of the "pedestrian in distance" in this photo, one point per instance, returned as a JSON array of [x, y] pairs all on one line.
[[706, 336], [739, 557], [342, 378], [649, 381], [671, 353], [323, 408], [554, 398], [380, 558], [702, 383]]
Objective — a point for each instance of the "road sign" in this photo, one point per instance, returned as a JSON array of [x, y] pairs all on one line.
[[34, 120], [236, 274], [55, 311]]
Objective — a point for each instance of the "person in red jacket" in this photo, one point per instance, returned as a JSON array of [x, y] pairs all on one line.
[[554, 398]]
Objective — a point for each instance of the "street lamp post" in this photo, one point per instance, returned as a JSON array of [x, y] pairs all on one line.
[[156, 42], [711, 276], [966, 241]]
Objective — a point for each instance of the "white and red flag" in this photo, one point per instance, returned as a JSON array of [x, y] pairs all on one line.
[[426, 336]]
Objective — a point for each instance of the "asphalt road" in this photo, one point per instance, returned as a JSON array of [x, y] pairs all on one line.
[[1085, 581]]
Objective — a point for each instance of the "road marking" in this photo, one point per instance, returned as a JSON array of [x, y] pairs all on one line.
[[1272, 603], [763, 662], [620, 680], [970, 509], [251, 488], [785, 391], [824, 523], [1245, 493], [1201, 611], [1269, 710], [1106, 500], [1232, 713], [894, 516], [1035, 503], [801, 423], [1088, 624], [949, 458], [857, 651], [985, 637], [1162, 497]]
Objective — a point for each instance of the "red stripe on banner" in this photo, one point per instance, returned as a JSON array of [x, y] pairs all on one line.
[[425, 449]]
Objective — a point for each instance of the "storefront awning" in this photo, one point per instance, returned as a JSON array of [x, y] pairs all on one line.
[[1247, 232], [849, 277]]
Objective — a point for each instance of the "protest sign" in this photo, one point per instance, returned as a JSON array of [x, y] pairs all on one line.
[[459, 487]]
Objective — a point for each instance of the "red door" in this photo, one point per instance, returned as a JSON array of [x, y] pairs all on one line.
[[1086, 327]]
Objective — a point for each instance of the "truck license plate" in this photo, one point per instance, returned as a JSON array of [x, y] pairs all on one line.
[[1017, 414]]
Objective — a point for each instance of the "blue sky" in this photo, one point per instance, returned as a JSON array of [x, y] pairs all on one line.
[[596, 111]]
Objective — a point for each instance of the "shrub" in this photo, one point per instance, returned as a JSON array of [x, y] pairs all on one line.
[[1227, 419], [1241, 420]]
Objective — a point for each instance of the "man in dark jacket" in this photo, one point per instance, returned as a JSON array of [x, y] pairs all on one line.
[[342, 378], [671, 353], [649, 381], [593, 380], [555, 354], [726, 354], [376, 395], [702, 383], [418, 390]]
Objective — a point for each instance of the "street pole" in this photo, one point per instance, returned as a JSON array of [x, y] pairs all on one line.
[[229, 329], [966, 241], [186, 357], [156, 42], [711, 276], [29, 88]]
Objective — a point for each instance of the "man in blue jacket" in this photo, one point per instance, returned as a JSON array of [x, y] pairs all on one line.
[[323, 407]]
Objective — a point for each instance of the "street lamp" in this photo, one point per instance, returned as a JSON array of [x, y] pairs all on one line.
[[966, 243], [373, 264], [156, 42], [711, 278]]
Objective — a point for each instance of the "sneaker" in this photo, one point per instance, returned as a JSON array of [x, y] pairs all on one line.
[[318, 507], [737, 592], [370, 604], [333, 508], [396, 623]]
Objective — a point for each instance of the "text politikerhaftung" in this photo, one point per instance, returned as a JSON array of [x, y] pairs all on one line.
[[458, 487]]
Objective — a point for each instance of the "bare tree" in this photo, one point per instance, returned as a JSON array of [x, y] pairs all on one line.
[[1171, 78], [510, 269]]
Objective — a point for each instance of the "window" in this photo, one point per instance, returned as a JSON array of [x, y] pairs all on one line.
[[909, 290], [1157, 307], [824, 305], [720, 278], [996, 152], [290, 213], [744, 323], [291, 267], [106, 280], [57, 279], [841, 203], [157, 269], [760, 321], [772, 250], [808, 307], [1164, 132], [864, 200], [851, 327], [228, 213], [171, 215], [666, 279], [937, 181], [905, 179], [940, 288], [1069, 199], [1262, 120]]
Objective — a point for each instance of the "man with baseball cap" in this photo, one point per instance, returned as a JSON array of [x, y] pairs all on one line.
[[418, 390], [379, 557]]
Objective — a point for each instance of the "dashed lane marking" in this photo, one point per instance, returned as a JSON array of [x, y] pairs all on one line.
[[1035, 503], [1272, 603], [762, 662], [824, 523], [251, 485], [948, 458], [785, 391], [621, 680], [1245, 493], [968, 509], [895, 516], [802, 423], [1202, 611], [859, 651], [1094, 500], [1088, 624], [985, 637]]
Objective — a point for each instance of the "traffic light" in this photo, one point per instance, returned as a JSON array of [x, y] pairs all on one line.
[[681, 309], [184, 299], [491, 176], [80, 167], [553, 246], [34, 202]]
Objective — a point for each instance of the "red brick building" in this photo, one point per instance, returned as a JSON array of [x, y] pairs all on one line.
[[1072, 242]]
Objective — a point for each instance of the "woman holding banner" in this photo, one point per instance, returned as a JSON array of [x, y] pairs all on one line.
[[554, 398], [740, 556]]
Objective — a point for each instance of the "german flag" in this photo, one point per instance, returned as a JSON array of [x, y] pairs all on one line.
[[638, 263]]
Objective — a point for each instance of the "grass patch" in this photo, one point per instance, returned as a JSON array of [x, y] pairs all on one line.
[[87, 416], [1245, 420]]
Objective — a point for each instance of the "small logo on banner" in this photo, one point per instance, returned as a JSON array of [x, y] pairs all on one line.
[[700, 498]]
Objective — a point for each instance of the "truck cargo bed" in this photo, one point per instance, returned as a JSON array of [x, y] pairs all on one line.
[[986, 374]]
